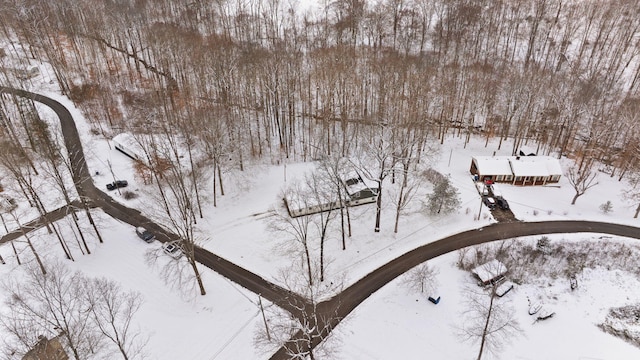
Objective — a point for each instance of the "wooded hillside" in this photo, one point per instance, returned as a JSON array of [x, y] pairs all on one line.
[[259, 78]]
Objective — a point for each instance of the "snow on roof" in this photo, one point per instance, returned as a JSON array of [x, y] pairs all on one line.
[[518, 165], [535, 166], [497, 165], [301, 196], [553, 165], [529, 166], [128, 141], [361, 185], [489, 271]]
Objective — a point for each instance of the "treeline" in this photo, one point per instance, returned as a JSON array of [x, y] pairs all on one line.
[[260, 78]]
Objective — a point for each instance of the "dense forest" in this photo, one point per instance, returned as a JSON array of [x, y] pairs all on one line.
[[210, 88], [241, 80]]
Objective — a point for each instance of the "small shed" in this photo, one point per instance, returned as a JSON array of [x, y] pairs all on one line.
[[490, 272], [360, 191], [49, 349]]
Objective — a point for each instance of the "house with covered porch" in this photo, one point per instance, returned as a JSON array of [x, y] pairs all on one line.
[[517, 170]]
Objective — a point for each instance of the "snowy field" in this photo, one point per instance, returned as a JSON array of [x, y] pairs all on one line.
[[397, 324], [393, 323], [223, 320]]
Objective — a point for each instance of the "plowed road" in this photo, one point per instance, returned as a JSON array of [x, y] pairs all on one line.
[[329, 312]]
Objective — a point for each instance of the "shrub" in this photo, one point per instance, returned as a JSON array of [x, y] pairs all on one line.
[[128, 195], [543, 245], [606, 207]]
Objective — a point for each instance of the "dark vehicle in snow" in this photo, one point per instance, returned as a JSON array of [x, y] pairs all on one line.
[[117, 184], [490, 202], [503, 204], [144, 234]]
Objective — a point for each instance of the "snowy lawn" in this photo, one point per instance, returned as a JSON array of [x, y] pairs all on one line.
[[221, 325], [217, 326], [398, 324]]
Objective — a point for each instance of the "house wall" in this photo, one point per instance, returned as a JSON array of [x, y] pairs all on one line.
[[474, 168], [362, 201], [535, 180], [359, 198], [510, 179], [496, 178]]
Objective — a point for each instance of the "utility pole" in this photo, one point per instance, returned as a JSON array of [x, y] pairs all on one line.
[[114, 176], [264, 318]]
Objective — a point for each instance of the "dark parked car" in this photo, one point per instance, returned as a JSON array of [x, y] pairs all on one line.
[[117, 184], [490, 202], [144, 234], [504, 205]]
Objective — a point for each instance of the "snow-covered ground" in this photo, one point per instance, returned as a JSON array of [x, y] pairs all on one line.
[[397, 324], [217, 326], [392, 323]]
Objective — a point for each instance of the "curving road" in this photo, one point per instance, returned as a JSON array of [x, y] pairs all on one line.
[[85, 187], [332, 311]]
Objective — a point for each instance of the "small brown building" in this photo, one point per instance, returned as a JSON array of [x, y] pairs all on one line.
[[46, 349]]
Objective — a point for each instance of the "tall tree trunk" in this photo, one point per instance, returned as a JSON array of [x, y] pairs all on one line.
[[194, 266], [486, 324], [378, 207], [75, 222]]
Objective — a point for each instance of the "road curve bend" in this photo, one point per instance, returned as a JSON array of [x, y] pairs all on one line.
[[85, 187], [342, 304]]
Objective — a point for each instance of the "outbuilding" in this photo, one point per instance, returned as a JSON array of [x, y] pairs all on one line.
[[128, 145], [46, 349], [490, 272], [360, 191], [304, 201]]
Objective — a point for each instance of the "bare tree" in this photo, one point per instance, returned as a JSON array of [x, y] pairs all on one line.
[[581, 181], [112, 311], [178, 195], [298, 334], [49, 305], [632, 192], [324, 194], [422, 279], [332, 169], [407, 158], [29, 243], [488, 320], [377, 161], [296, 228]]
